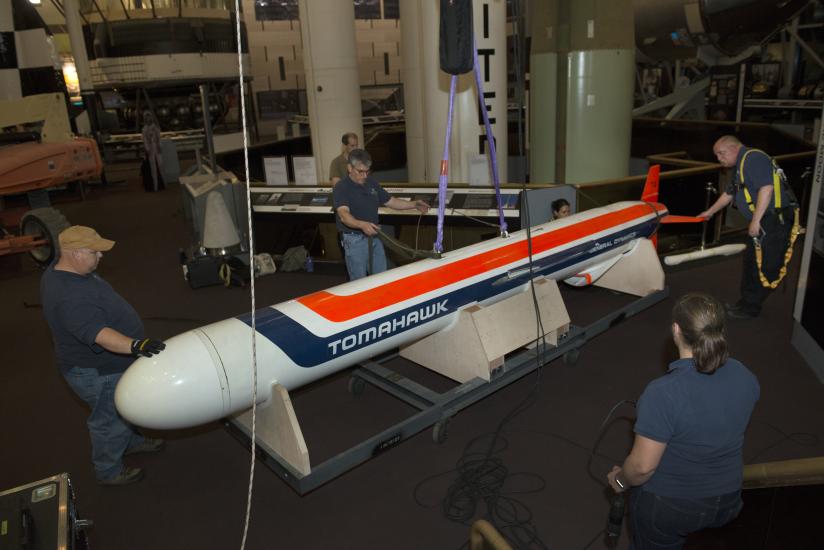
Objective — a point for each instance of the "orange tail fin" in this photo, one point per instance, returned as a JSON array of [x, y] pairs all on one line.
[[650, 193]]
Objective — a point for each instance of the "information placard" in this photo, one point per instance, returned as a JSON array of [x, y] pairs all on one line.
[[305, 173], [275, 168]]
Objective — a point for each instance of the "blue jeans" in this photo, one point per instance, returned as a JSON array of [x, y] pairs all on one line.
[[356, 252], [664, 522], [110, 434]]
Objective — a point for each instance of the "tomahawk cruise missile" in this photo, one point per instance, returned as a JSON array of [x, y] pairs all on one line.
[[206, 374]]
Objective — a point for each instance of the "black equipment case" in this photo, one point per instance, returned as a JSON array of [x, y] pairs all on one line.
[[41, 516]]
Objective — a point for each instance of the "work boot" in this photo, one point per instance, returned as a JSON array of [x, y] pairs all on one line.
[[739, 311], [148, 446], [731, 307], [126, 476]]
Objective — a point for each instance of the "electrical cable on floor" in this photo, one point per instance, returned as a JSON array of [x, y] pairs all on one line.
[[242, 93], [602, 430], [482, 476]]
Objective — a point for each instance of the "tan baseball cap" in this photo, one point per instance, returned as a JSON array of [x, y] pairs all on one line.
[[79, 236]]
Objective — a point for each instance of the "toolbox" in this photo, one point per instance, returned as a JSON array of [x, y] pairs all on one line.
[[41, 516]]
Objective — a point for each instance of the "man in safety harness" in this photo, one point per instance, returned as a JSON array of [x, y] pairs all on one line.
[[761, 193]]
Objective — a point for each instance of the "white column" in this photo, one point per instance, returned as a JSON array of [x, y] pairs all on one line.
[[331, 66], [468, 133], [411, 38], [543, 91], [597, 71]]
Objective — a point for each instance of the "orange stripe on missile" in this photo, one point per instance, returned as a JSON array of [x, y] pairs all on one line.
[[338, 308], [444, 167], [682, 219]]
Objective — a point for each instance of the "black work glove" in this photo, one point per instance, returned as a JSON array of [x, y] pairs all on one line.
[[146, 347]]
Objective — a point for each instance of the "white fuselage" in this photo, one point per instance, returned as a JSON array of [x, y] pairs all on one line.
[[206, 373]]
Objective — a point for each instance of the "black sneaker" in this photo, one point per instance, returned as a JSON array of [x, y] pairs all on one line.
[[126, 476], [148, 446]]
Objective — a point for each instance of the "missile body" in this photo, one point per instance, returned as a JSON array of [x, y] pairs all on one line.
[[206, 374]]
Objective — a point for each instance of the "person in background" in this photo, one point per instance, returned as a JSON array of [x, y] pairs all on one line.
[[685, 470], [560, 209], [357, 198], [96, 335], [338, 168], [153, 163]]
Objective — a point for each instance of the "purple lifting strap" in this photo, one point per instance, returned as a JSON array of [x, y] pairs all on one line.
[[490, 139], [442, 180]]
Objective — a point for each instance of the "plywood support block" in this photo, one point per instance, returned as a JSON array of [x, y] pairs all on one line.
[[477, 343], [638, 273], [277, 427]]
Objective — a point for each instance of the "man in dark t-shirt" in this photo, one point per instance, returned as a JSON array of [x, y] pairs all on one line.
[[96, 335], [763, 198], [337, 168], [357, 198]]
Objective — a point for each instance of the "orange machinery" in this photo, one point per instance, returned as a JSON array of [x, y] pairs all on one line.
[[60, 159]]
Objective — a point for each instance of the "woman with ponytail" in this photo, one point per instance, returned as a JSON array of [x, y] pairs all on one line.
[[685, 466]]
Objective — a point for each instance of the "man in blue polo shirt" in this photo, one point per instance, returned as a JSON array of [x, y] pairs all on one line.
[[96, 335], [357, 198], [762, 196]]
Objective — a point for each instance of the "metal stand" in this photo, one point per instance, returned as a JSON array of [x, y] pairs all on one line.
[[435, 408]]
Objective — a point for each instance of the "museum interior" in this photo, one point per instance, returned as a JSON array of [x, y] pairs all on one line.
[[411, 274]]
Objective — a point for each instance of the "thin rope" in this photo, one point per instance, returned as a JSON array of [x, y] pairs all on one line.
[[252, 282], [490, 139], [442, 179], [474, 219]]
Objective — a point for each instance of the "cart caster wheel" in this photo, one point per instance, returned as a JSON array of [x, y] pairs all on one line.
[[439, 431], [571, 357], [356, 385]]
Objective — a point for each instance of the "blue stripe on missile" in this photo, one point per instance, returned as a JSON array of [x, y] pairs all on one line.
[[308, 350]]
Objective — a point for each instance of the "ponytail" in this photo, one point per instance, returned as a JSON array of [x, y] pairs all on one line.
[[701, 319]]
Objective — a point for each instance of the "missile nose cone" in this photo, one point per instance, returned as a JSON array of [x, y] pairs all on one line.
[[182, 386]]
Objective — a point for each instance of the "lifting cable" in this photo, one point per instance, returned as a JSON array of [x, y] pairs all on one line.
[[490, 140], [442, 179]]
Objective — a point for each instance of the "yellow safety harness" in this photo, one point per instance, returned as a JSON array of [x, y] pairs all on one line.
[[225, 274], [794, 232]]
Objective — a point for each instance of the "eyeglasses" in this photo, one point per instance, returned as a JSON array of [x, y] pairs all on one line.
[[362, 172]]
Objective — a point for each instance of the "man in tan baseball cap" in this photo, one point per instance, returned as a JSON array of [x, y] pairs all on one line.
[[97, 335], [81, 249], [79, 236]]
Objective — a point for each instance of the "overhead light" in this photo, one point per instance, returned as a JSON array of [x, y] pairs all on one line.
[[35, 2]]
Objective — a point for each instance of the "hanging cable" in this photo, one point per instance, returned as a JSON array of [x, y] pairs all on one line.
[[444, 176], [490, 139], [242, 92]]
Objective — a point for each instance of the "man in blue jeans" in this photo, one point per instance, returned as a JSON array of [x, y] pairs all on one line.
[[96, 336], [357, 198]]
